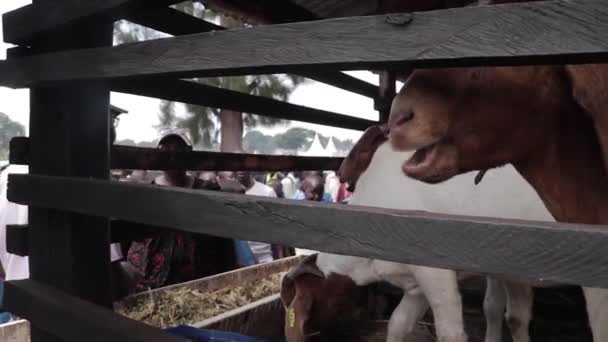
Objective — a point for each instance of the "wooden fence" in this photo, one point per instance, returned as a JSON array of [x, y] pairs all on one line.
[[66, 59]]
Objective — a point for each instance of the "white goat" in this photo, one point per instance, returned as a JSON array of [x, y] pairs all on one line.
[[503, 193]]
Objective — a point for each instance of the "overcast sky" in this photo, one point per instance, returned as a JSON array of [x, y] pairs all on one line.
[[139, 124]]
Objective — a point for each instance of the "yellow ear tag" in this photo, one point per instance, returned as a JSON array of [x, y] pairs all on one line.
[[291, 317]]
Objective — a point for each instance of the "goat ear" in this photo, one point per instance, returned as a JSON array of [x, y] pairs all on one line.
[[288, 290], [589, 84], [307, 266], [359, 157], [296, 318]]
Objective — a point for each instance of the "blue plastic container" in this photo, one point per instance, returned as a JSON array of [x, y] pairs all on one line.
[[5, 317], [206, 335]]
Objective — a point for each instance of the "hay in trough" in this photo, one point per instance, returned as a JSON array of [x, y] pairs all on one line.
[[188, 306]]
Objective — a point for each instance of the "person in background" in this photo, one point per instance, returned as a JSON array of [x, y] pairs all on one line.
[[253, 186], [259, 177], [273, 176], [262, 252], [332, 185], [16, 267], [291, 184], [315, 177], [313, 188], [343, 193], [276, 185], [173, 257]]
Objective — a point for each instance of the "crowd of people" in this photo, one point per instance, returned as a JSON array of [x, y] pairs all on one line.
[[177, 257], [168, 257]]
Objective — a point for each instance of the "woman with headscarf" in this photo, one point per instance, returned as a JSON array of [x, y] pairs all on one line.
[[174, 257]]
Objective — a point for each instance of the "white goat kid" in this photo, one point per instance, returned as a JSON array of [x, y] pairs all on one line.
[[503, 193]]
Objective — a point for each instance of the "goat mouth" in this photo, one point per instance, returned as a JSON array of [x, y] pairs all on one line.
[[421, 161]]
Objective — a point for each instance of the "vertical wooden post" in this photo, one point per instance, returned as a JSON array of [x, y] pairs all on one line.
[[387, 91], [69, 136]]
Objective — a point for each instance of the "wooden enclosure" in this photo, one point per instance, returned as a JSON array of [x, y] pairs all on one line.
[[64, 56]]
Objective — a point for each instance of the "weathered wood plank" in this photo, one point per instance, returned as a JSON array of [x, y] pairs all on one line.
[[68, 125], [204, 95], [556, 252], [30, 22], [172, 21], [19, 151], [73, 319], [386, 93], [344, 81], [16, 331], [17, 239], [263, 318], [267, 12], [141, 158], [219, 281], [177, 23], [121, 231], [543, 32]]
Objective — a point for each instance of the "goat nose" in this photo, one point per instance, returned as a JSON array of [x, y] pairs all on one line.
[[399, 119]]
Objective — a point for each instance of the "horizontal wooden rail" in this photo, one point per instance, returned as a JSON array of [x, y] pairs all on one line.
[[17, 240], [345, 82], [172, 21], [204, 95], [574, 254], [142, 158], [571, 31], [177, 23], [73, 319], [31, 22]]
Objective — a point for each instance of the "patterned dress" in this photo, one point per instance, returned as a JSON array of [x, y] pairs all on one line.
[[174, 257]]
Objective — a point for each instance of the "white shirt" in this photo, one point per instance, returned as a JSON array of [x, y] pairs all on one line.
[[16, 267], [261, 250], [332, 185], [290, 185]]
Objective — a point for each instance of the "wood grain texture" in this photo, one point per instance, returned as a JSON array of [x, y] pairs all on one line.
[[204, 95], [141, 158], [177, 23], [17, 239], [73, 319], [556, 252], [17, 236], [386, 92], [31, 22], [16, 331], [70, 136], [171, 21], [528, 33]]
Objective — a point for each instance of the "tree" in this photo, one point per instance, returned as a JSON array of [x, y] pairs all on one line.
[[294, 139], [202, 122], [8, 130], [257, 142]]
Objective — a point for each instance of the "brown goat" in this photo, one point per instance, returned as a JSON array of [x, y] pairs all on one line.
[[316, 304], [359, 157], [536, 118]]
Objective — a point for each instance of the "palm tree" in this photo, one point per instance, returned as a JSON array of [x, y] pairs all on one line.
[[201, 121]]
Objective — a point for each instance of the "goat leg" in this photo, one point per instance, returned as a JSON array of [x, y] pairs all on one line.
[[494, 305], [405, 316], [441, 290], [597, 310], [519, 310]]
